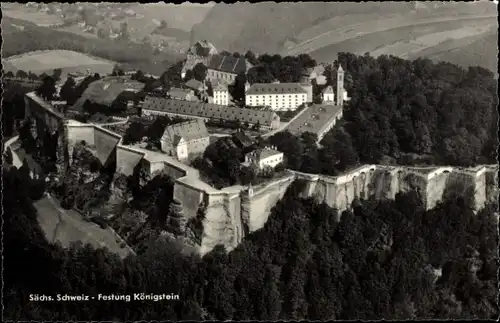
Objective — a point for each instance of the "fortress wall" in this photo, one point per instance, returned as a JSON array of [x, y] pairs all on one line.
[[173, 171], [222, 223], [480, 195], [460, 183], [264, 200], [156, 167], [42, 111], [491, 182], [127, 159], [77, 133], [105, 142], [379, 183], [437, 184], [189, 197], [236, 220], [215, 229]]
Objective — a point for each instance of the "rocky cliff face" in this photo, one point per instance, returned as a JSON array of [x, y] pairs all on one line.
[[227, 219]]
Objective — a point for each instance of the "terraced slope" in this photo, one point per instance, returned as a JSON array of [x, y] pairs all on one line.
[[437, 30]]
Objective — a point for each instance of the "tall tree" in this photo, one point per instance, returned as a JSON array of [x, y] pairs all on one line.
[[200, 72], [48, 88], [68, 91]]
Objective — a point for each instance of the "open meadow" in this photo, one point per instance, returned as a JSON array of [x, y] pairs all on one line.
[[46, 61]]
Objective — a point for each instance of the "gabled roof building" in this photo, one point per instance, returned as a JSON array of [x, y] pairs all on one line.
[[185, 139], [161, 106]]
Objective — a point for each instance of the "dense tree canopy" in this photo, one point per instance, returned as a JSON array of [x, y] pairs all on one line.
[[419, 109], [404, 112], [48, 88], [200, 72], [269, 68], [378, 261], [68, 91]]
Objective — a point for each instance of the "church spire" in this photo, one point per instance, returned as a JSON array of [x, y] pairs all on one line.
[[340, 86]]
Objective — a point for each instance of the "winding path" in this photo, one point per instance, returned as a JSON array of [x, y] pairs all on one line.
[[15, 158]]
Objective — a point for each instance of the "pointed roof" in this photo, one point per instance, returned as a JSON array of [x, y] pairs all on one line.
[[229, 64], [328, 90], [207, 110], [264, 153], [340, 69], [241, 138], [189, 130]]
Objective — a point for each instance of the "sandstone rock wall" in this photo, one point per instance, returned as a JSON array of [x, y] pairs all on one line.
[[257, 207], [190, 197], [228, 215], [222, 223]]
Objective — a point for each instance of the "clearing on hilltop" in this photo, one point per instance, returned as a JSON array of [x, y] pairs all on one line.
[[69, 61]]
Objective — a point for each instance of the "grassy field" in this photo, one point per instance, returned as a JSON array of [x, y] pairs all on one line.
[[412, 41], [69, 61], [336, 35], [77, 31], [409, 48], [480, 49], [68, 226]]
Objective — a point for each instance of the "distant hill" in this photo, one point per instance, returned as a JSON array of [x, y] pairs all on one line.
[[142, 19], [177, 16], [323, 29], [20, 37]]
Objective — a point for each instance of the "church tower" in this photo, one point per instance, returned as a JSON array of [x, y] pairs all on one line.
[[340, 86]]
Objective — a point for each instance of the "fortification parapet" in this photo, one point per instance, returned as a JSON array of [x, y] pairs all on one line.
[[231, 213]]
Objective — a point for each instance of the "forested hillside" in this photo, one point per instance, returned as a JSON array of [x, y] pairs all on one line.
[[437, 29], [389, 260], [400, 112], [263, 27]]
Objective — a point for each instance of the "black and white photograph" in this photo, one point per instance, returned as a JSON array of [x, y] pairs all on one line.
[[238, 161]]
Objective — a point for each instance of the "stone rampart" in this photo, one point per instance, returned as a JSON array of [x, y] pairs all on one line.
[[231, 213], [127, 159]]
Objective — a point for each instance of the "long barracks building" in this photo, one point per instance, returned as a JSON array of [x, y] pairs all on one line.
[[199, 110]]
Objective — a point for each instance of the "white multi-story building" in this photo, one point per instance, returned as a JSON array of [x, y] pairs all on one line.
[[266, 157], [328, 95], [277, 96], [221, 94]]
